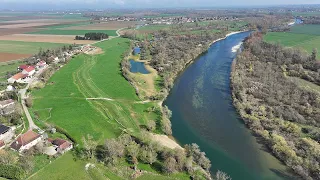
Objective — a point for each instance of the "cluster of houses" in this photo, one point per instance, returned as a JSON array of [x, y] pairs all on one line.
[[30, 139], [26, 72]]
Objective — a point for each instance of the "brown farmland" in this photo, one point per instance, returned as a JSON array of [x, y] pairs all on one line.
[[10, 56]]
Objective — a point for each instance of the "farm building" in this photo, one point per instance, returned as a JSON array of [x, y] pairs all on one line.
[[19, 77], [6, 133], [30, 70], [26, 141], [22, 67], [136, 51], [61, 146], [6, 107], [41, 64]]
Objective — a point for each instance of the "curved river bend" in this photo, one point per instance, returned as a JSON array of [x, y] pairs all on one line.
[[203, 113]]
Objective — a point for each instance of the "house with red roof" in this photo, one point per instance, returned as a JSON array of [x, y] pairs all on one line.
[[19, 77], [26, 141], [61, 145], [22, 67], [30, 70]]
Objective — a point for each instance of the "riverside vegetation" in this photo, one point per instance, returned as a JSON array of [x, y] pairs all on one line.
[[267, 92]]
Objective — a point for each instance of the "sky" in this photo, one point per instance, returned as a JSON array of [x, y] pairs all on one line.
[[105, 4]]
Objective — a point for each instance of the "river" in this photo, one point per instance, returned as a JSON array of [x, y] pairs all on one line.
[[203, 113]]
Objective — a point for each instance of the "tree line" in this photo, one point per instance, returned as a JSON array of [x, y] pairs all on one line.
[[141, 149], [284, 113], [96, 36]]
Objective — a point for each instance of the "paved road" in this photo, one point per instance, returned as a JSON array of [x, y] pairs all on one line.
[[22, 93]]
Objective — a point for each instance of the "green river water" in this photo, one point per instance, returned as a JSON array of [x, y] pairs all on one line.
[[203, 113]]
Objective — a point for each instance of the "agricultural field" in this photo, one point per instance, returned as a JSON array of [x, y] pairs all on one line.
[[112, 25], [25, 47], [65, 167], [72, 32], [97, 76], [42, 39], [305, 37]]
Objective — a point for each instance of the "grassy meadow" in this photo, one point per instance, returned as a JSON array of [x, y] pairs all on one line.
[[72, 32], [22, 47], [305, 37], [96, 76]]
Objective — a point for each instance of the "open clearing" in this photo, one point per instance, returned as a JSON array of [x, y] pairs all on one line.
[[97, 76], [64, 39], [112, 25], [11, 56], [65, 167], [72, 32], [20, 47], [305, 37]]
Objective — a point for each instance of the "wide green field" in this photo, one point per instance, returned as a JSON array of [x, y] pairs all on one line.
[[65, 167], [306, 29], [72, 32], [306, 37], [306, 13], [21, 47], [96, 76]]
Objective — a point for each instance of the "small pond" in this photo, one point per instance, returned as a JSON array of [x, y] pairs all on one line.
[[138, 67]]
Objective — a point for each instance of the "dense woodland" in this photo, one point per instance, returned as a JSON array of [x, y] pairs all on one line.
[[283, 113]]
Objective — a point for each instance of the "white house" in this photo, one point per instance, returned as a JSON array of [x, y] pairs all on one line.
[[20, 77], [26, 141], [41, 64], [61, 145], [30, 70]]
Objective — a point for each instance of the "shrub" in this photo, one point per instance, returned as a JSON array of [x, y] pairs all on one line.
[[11, 172]]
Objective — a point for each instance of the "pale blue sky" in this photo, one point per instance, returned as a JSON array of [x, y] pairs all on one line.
[[104, 4]]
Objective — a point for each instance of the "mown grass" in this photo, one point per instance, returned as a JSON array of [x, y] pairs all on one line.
[[21, 47], [8, 67], [96, 76], [306, 29], [306, 42], [65, 167], [72, 32]]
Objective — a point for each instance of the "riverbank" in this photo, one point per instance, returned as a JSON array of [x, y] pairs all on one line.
[[280, 128]]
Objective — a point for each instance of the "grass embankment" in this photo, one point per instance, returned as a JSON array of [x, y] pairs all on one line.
[[21, 47], [72, 32], [306, 37], [96, 76]]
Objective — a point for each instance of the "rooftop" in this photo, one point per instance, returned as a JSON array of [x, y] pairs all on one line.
[[19, 76], [6, 102], [24, 139], [3, 129]]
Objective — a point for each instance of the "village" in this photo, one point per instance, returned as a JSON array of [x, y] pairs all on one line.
[[14, 133]]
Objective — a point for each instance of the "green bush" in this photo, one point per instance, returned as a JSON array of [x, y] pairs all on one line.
[[11, 172]]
